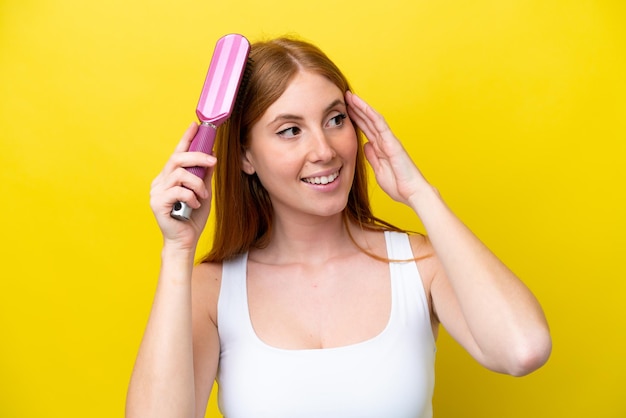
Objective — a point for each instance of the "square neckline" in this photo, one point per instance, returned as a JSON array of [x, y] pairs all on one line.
[[359, 344]]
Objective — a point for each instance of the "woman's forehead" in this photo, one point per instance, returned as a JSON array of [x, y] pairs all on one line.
[[306, 92]]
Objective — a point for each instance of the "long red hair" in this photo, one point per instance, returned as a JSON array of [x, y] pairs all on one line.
[[243, 210]]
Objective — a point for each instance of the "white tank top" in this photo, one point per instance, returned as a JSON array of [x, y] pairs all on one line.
[[389, 375]]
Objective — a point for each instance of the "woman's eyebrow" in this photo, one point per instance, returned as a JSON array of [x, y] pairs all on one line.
[[334, 103], [291, 116], [286, 116]]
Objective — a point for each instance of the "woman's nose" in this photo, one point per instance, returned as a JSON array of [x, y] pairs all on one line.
[[321, 148]]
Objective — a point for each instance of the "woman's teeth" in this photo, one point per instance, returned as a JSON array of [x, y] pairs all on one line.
[[322, 179]]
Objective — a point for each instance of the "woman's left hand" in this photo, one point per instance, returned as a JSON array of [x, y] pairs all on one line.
[[395, 172]]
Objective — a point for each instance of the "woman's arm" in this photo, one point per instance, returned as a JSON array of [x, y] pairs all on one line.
[[479, 301], [483, 305], [163, 382]]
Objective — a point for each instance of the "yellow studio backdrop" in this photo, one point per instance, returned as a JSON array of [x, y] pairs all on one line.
[[515, 110]]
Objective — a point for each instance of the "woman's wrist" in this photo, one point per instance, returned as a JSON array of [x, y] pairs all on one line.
[[176, 265], [176, 251], [423, 199]]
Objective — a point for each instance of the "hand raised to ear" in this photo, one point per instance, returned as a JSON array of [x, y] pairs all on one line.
[[395, 172]]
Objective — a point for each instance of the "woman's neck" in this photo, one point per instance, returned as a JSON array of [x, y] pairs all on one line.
[[311, 240]]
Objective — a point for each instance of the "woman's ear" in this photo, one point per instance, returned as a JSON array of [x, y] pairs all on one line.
[[246, 164]]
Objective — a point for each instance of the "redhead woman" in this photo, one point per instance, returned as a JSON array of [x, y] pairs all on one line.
[[308, 305]]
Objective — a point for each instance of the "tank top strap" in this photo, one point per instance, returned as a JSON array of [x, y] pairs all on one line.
[[398, 246], [406, 282]]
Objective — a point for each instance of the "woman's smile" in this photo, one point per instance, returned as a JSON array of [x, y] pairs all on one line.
[[322, 179]]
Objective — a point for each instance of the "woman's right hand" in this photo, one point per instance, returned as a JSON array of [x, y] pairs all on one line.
[[175, 184]]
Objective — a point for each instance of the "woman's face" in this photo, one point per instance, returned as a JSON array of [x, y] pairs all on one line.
[[304, 147]]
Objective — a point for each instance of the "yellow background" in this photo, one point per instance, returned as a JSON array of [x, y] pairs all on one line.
[[515, 110]]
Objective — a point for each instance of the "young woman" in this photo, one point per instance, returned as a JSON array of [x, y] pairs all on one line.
[[308, 305]]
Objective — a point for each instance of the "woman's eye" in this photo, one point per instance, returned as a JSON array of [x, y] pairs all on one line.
[[337, 120], [289, 132]]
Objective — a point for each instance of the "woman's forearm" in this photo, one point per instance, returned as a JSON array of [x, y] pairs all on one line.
[[506, 323], [162, 383]]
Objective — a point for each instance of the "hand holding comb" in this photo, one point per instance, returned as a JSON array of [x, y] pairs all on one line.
[[217, 99]]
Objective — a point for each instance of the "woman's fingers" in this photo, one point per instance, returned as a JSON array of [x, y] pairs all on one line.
[[375, 127], [182, 157], [177, 184], [166, 198], [395, 171], [357, 111], [177, 176], [188, 160], [183, 178], [185, 141], [372, 121]]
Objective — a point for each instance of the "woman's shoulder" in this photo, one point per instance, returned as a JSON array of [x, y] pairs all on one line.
[[206, 281], [207, 271], [421, 246], [427, 261]]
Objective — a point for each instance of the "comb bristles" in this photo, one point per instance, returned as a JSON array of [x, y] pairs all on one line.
[[243, 85]]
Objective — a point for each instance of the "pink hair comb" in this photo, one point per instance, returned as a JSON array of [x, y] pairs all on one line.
[[219, 93]]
